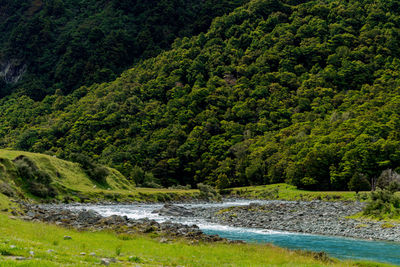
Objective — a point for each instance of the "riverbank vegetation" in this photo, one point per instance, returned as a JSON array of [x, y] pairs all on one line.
[[290, 192], [47, 245], [384, 204], [47, 178]]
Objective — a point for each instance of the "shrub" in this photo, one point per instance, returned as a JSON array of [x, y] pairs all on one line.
[[181, 187], [384, 203], [95, 172], [387, 177], [150, 181], [208, 192], [37, 182], [144, 179], [6, 189], [359, 182], [138, 175]]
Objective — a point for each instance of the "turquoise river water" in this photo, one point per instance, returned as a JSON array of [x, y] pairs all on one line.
[[338, 247]]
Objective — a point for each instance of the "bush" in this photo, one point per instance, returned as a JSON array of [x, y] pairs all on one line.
[[387, 177], [150, 181], [144, 179], [37, 182], [138, 175], [6, 189], [384, 203], [95, 172], [359, 182], [181, 187], [208, 192]]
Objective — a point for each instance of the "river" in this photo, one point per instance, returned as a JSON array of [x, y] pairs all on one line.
[[338, 247]]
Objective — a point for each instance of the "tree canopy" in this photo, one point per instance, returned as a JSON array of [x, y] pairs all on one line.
[[67, 44]]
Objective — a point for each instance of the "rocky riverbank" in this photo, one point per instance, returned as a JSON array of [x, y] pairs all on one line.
[[93, 221], [314, 217]]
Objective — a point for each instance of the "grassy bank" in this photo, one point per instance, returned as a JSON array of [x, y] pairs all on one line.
[[290, 192], [18, 238], [72, 183]]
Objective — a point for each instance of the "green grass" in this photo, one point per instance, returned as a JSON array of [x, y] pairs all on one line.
[[40, 238], [74, 184], [5, 203], [290, 192], [69, 174], [361, 217]]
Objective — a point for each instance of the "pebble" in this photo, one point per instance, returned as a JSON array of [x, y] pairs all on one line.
[[105, 262], [163, 240]]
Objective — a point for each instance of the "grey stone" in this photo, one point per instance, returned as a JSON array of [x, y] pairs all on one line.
[[105, 262]]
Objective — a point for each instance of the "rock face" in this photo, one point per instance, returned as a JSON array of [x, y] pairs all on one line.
[[91, 220], [314, 217], [12, 70], [173, 210]]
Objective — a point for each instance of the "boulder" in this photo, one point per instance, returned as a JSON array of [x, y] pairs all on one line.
[[173, 210], [89, 216]]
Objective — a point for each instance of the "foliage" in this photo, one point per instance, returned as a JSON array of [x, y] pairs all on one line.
[[384, 203], [291, 193], [36, 181], [66, 44], [359, 183], [96, 172], [208, 192], [150, 181], [303, 92], [144, 179], [387, 177], [184, 187]]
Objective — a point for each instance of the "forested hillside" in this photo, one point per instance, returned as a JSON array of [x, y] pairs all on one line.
[[306, 93], [52, 44]]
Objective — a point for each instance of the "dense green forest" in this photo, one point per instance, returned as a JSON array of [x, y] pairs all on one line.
[[65, 44], [306, 93]]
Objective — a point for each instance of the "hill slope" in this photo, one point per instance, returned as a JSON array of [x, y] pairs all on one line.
[[306, 93], [52, 177], [49, 45]]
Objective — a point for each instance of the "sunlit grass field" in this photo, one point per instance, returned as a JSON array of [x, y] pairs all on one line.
[[289, 192]]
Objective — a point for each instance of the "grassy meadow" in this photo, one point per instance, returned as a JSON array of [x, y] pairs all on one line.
[[19, 238]]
